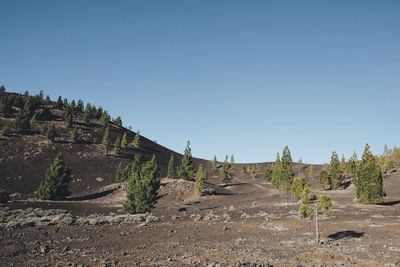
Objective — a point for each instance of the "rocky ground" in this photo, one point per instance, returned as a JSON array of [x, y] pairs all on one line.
[[246, 223]]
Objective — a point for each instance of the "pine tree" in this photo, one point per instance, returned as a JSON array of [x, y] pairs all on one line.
[[124, 140], [18, 102], [30, 107], [323, 206], [22, 123], [98, 112], [253, 171], [214, 165], [136, 139], [343, 165], [186, 170], [119, 177], [117, 145], [310, 171], [49, 131], [277, 170], [324, 180], [73, 135], [226, 173], [335, 173], [73, 105], [369, 182], [299, 183], [88, 113], [79, 106], [124, 172], [2, 89], [151, 172], [55, 184], [142, 187], [118, 121], [40, 95], [136, 163], [5, 108], [171, 167], [106, 140], [33, 119], [232, 165], [268, 174], [201, 177], [68, 117], [287, 172], [65, 103], [104, 119], [132, 194], [351, 167]]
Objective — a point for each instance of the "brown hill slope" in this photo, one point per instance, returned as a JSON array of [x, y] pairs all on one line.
[[25, 157]]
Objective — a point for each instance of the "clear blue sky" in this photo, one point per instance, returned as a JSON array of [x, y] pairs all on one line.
[[241, 77]]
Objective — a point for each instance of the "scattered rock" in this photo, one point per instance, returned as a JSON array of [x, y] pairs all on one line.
[[245, 216], [11, 219]]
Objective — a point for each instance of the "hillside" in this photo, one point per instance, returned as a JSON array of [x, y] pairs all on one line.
[[246, 222], [24, 157]]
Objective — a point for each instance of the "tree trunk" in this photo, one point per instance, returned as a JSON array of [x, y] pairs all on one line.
[[316, 226]]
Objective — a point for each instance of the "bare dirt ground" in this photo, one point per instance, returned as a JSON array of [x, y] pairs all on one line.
[[247, 223]]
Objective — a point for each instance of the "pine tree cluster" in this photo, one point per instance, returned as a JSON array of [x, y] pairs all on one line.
[[143, 184], [55, 184], [368, 180]]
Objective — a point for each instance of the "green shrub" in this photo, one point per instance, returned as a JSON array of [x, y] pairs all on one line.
[[55, 184], [143, 183], [298, 185], [201, 177]]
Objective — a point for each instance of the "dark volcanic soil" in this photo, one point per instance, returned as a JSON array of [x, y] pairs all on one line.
[[248, 222]]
